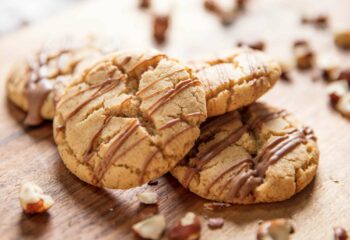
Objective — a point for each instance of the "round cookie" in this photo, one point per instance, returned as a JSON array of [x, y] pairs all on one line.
[[255, 154], [129, 119], [236, 79], [35, 84]]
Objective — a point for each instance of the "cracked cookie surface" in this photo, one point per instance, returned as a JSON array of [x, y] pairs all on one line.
[[36, 84], [129, 119], [256, 154], [236, 79]]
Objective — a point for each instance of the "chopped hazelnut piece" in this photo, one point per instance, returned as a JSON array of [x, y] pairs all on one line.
[[150, 228], [320, 21], [215, 223], [304, 56], [188, 228], [144, 4], [342, 39], [277, 229], [226, 15], [258, 45], [33, 200], [160, 28], [241, 4], [148, 197], [340, 233]]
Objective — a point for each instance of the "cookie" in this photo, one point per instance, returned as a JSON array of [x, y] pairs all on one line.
[[237, 79], [129, 119], [35, 84], [255, 154]]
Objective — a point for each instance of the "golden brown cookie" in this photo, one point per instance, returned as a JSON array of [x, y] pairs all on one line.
[[237, 79], [129, 119], [35, 84], [256, 154]]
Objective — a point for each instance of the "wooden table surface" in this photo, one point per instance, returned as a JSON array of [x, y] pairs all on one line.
[[85, 212]]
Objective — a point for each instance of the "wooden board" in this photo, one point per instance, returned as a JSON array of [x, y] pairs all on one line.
[[85, 212]]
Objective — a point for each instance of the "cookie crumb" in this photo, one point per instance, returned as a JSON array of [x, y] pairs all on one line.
[[276, 229], [213, 206], [340, 233], [214, 223], [148, 197]]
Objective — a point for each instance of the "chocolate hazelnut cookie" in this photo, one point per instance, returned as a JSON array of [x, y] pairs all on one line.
[[237, 79], [255, 154], [35, 84], [129, 119]]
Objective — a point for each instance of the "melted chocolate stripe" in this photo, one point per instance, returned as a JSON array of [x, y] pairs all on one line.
[[222, 174], [141, 91], [177, 120], [156, 93], [85, 90], [220, 146], [108, 157], [244, 184], [142, 66], [150, 158], [171, 94], [212, 152], [101, 91], [88, 153]]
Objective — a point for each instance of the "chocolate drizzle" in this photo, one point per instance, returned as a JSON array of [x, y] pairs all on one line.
[[109, 156], [36, 95], [88, 153], [171, 94], [38, 86], [174, 121], [104, 88], [248, 178]]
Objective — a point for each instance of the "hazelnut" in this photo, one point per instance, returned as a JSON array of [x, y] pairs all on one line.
[[226, 14], [345, 75], [148, 197], [188, 228], [343, 105], [258, 45], [144, 4], [304, 56], [342, 39], [286, 68], [160, 28], [320, 21], [33, 200], [241, 4], [277, 229], [150, 228], [214, 223], [212, 206], [340, 233]]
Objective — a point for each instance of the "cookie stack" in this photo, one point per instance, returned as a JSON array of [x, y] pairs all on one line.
[[134, 115]]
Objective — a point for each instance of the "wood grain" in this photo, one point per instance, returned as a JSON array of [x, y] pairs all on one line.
[[85, 212]]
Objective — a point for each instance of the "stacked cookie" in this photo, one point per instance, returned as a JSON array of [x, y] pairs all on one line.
[[134, 115]]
